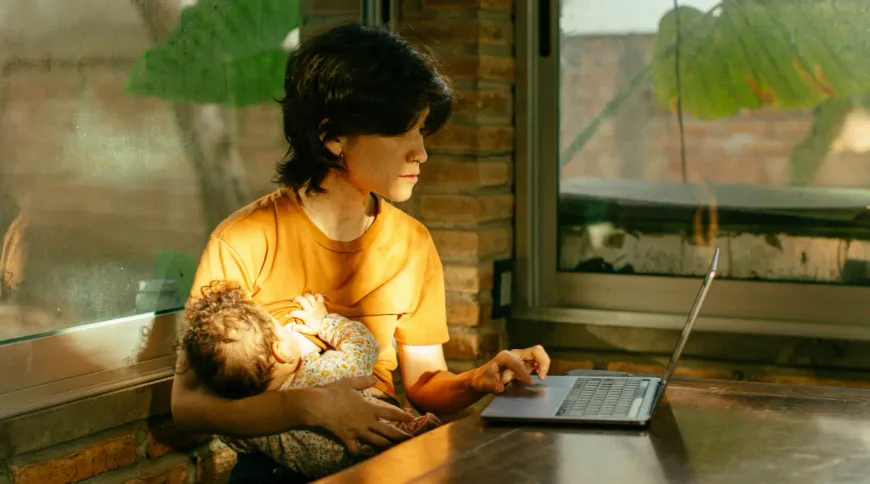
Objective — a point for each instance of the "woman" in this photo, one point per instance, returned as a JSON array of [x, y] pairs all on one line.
[[11, 248], [358, 103]]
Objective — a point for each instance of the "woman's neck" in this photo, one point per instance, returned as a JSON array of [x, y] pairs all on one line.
[[344, 212]]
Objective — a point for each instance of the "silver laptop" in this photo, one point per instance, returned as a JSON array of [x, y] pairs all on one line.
[[599, 399]]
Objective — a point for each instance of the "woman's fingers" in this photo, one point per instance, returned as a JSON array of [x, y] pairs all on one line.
[[389, 432], [375, 439], [392, 413]]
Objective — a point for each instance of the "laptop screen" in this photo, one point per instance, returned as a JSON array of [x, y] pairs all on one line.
[[693, 316]]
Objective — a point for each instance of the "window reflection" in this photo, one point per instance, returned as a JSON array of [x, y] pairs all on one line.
[[107, 192], [774, 165]]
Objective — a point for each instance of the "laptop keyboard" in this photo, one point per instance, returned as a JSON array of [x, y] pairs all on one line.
[[603, 397]]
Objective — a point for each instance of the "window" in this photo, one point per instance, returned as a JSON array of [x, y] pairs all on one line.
[[109, 189], [632, 166]]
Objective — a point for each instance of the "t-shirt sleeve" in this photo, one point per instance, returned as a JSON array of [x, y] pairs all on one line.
[[220, 261], [426, 324]]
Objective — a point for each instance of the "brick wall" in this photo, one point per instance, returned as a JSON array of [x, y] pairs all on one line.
[[641, 141], [465, 195], [122, 437]]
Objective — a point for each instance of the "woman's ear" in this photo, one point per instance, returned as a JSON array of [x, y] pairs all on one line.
[[334, 146]]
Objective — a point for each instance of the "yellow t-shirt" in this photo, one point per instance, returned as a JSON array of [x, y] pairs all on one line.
[[390, 278]]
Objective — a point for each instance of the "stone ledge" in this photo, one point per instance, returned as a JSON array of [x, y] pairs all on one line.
[[52, 426]]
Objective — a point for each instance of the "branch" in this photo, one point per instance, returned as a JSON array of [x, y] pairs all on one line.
[[204, 131]]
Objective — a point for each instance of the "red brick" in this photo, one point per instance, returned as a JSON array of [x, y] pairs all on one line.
[[468, 279], [463, 173], [495, 173], [472, 243], [490, 102], [328, 7], [472, 139], [497, 68], [809, 380], [80, 465], [164, 437], [214, 464], [470, 344], [500, 5], [465, 210], [469, 66], [316, 24], [467, 309], [174, 475], [466, 30], [712, 373]]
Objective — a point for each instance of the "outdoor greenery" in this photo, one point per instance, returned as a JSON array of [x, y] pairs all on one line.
[[748, 54], [221, 52]]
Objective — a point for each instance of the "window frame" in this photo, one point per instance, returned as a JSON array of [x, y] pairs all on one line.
[[50, 369], [544, 293], [46, 370]]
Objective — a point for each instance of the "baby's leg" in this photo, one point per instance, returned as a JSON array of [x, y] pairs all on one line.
[[417, 426], [420, 424]]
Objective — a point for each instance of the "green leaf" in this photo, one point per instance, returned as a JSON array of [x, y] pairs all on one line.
[[221, 51], [754, 53], [177, 266]]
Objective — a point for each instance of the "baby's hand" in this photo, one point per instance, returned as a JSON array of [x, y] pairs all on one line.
[[312, 313]]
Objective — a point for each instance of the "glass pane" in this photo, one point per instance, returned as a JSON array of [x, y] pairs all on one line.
[[107, 190], [773, 165]]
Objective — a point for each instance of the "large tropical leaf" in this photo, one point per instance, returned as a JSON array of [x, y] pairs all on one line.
[[754, 53], [221, 51]]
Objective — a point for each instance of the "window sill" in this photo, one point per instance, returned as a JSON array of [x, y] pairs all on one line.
[[84, 361], [675, 322]]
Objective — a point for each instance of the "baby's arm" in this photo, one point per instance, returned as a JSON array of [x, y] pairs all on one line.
[[355, 353]]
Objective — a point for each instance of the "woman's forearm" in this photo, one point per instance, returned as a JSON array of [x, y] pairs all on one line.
[[196, 410], [443, 392]]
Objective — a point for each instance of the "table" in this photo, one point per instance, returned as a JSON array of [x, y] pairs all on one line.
[[705, 432]]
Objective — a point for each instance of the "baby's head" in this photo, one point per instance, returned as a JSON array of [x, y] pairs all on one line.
[[234, 345]]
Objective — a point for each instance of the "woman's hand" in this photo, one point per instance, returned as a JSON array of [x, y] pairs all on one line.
[[341, 409], [508, 366]]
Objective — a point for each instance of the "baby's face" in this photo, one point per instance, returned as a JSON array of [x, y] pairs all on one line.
[[287, 349], [297, 345]]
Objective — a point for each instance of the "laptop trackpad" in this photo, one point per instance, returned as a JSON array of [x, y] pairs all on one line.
[[541, 400]]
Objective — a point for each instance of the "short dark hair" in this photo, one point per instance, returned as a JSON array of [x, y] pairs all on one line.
[[228, 339], [354, 80]]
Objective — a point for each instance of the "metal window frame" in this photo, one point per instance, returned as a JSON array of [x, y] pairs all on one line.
[[87, 360], [546, 294]]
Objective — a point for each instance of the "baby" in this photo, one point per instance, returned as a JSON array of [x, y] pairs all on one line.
[[238, 349]]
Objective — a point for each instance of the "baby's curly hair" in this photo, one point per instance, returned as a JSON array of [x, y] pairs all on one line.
[[228, 341]]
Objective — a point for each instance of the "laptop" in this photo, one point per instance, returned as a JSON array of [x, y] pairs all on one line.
[[595, 399]]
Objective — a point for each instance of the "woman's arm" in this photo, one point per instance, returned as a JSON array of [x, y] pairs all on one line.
[[431, 388], [196, 409], [339, 408]]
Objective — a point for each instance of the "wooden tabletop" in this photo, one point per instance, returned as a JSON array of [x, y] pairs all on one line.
[[707, 432]]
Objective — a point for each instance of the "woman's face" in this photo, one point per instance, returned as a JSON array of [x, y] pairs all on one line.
[[386, 165]]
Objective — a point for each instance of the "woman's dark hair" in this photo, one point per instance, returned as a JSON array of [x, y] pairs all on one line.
[[354, 80]]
